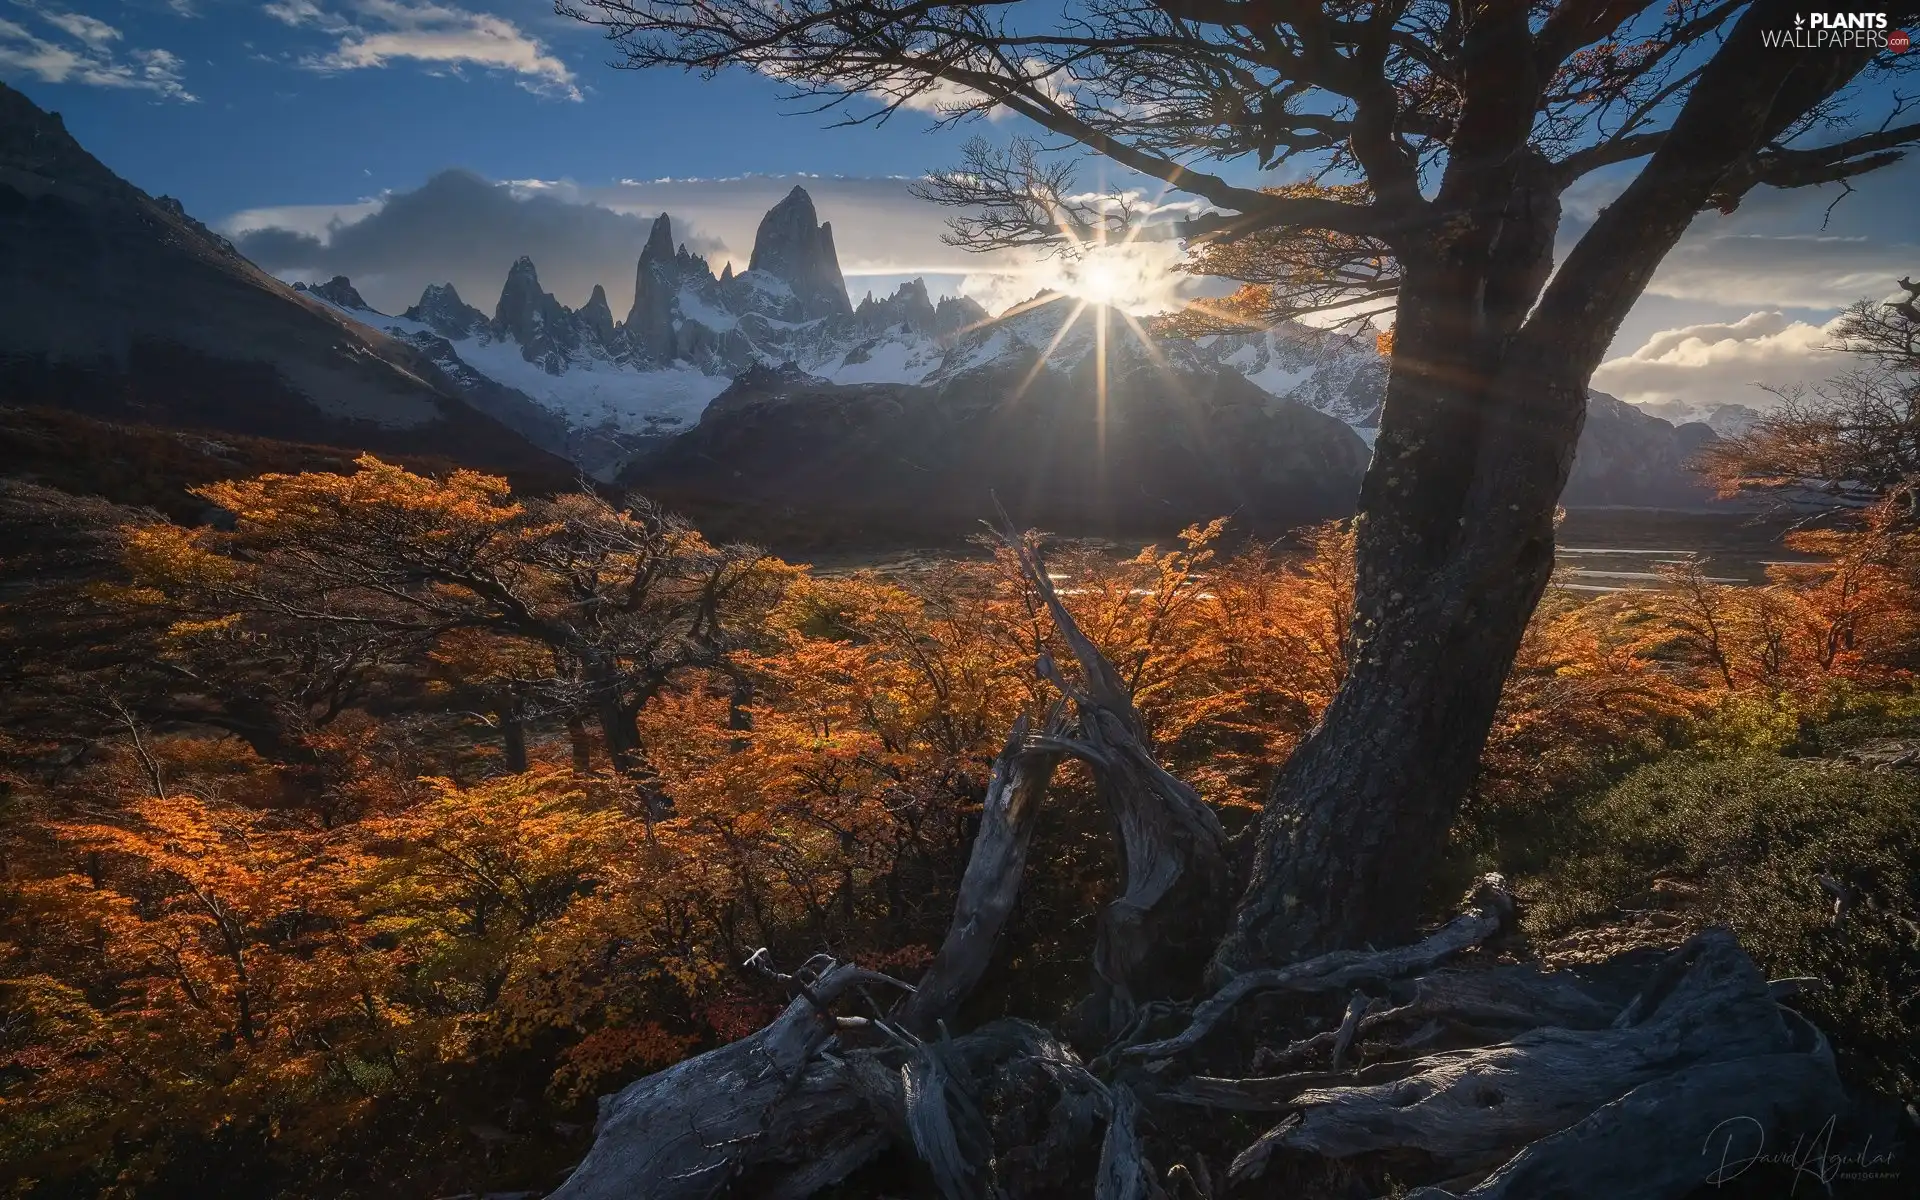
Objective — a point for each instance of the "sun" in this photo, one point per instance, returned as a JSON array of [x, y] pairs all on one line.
[[1102, 279]]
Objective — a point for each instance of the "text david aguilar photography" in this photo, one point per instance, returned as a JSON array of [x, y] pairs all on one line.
[[1838, 31]]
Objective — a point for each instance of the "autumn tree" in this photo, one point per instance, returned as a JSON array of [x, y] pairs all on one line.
[[1437, 141], [619, 599], [1850, 443]]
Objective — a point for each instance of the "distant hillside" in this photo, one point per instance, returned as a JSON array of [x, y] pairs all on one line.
[[152, 467], [118, 305], [783, 454]]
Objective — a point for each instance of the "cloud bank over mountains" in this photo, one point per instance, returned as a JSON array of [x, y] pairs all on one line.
[[1725, 362], [463, 229]]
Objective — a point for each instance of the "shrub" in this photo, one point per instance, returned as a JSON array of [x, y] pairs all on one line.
[[1756, 836]]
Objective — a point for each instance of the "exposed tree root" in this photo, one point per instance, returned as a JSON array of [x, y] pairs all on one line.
[[1492, 911], [770, 1103], [1459, 1106]]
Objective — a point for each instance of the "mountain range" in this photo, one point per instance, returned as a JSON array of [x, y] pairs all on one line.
[[765, 394]]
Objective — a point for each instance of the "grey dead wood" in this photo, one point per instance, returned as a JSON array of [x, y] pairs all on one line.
[[1491, 911], [769, 1102], [1463, 1104], [1669, 1137], [991, 883], [1176, 885]]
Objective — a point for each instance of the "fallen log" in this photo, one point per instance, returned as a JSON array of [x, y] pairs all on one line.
[[1665, 1139]]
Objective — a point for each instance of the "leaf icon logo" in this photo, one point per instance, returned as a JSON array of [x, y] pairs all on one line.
[[1798, 20]]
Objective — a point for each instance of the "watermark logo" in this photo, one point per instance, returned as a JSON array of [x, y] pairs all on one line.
[[1738, 1144], [1838, 31]]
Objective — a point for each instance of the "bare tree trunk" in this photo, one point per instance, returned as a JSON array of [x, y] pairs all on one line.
[[513, 742], [1452, 554], [1483, 410], [580, 743]]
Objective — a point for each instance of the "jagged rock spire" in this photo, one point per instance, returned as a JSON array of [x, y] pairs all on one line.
[[338, 291], [655, 284], [659, 246], [596, 316], [542, 325], [442, 310], [909, 306], [794, 246]]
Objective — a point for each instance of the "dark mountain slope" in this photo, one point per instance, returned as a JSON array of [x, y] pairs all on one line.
[[1627, 456], [119, 305], [780, 454]]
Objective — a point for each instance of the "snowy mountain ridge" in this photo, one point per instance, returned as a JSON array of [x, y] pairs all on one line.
[[620, 385], [602, 391]]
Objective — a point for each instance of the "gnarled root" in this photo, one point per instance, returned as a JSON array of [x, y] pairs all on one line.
[[1707, 1009], [1491, 910]]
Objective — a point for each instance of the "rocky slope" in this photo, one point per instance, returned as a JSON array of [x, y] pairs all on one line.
[[787, 455], [117, 304], [1629, 457], [1026, 410]]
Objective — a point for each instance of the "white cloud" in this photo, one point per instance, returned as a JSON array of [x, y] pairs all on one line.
[[1793, 270], [1723, 362], [85, 50], [945, 97], [91, 30], [381, 32]]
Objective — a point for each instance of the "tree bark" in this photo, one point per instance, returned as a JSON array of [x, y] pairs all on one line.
[[1450, 563], [581, 744], [513, 741]]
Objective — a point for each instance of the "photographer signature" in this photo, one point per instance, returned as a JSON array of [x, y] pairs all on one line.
[[1813, 1156]]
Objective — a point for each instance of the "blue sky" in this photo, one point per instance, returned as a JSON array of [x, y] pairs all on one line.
[[283, 111], [277, 119]]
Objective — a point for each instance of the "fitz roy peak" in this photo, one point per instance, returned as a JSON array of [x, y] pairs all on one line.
[[620, 385], [620, 388]]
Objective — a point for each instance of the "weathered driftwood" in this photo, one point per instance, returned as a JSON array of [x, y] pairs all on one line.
[[948, 1086], [1666, 1138], [1269, 1093], [1491, 911], [769, 1103], [992, 880], [1465, 1104], [1154, 938], [1124, 1172]]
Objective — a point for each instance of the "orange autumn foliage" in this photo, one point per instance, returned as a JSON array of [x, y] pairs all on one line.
[[319, 893]]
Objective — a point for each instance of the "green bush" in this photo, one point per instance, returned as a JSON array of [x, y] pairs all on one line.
[[1749, 839]]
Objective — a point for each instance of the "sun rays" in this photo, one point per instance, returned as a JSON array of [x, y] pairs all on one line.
[[1099, 277]]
